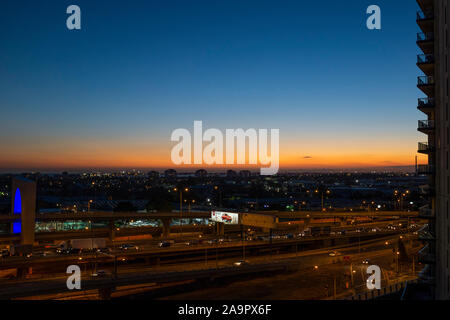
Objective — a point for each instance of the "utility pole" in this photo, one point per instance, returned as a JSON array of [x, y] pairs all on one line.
[[322, 200], [351, 274], [243, 246], [334, 287], [181, 212]]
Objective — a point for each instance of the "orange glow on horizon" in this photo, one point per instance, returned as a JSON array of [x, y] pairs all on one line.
[[138, 154]]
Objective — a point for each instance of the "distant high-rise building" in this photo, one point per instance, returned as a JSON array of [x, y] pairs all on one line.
[[245, 173], [231, 173], [201, 173], [153, 174], [433, 40], [170, 173]]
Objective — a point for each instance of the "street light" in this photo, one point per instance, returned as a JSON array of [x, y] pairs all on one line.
[[322, 192], [220, 195], [181, 206]]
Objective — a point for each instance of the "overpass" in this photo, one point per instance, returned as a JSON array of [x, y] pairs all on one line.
[[108, 215], [305, 217]]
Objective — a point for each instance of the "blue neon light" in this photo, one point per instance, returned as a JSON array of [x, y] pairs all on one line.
[[17, 227], [17, 202]]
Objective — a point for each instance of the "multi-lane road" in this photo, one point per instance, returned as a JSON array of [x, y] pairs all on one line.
[[201, 260]]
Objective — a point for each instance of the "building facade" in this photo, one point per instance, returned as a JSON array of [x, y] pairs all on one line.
[[433, 41]]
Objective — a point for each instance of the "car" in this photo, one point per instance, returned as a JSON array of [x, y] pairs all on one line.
[[164, 244], [334, 254], [366, 261], [100, 274], [43, 253], [68, 251], [192, 242], [241, 263], [4, 253], [226, 218], [128, 246]]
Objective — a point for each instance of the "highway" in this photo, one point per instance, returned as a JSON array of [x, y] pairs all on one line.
[[137, 274], [152, 254]]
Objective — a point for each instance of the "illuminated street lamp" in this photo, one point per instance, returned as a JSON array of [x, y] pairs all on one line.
[[181, 205]]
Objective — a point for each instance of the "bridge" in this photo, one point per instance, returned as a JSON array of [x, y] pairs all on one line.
[[306, 218]]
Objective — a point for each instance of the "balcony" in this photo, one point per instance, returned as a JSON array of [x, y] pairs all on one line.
[[426, 84], [428, 191], [425, 169], [426, 212], [427, 275], [425, 41], [425, 4], [426, 233], [426, 63], [424, 147], [425, 20], [426, 255], [426, 105], [426, 126]]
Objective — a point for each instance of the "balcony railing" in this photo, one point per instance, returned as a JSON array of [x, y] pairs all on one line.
[[425, 147], [425, 36], [427, 275], [425, 169], [429, 191], [426, 124], [426, 102], [424, 15], [426, 254], [426, 212], [425, 80], [425, 58]]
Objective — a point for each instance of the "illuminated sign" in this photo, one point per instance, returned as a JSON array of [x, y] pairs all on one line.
[[17, 202], [17, 224], [225, 217]]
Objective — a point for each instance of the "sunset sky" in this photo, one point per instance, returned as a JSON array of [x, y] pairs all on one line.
[[110, 94]]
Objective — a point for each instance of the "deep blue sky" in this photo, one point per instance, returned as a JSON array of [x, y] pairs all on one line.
[[139, 69]]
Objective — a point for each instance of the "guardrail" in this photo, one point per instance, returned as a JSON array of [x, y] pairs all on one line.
[[377, 293]]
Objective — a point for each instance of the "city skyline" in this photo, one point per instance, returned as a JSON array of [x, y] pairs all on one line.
[[342, 96]]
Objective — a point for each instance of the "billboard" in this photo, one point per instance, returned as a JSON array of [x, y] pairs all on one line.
[[259, 220], [225, 217]]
